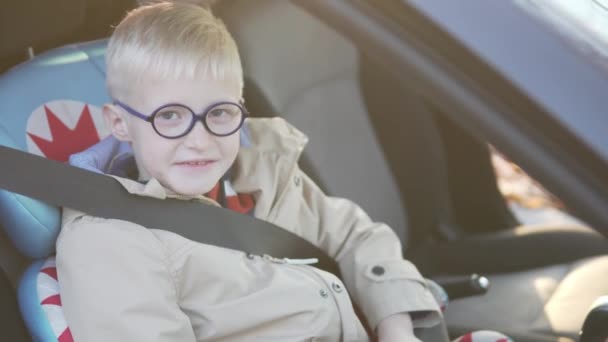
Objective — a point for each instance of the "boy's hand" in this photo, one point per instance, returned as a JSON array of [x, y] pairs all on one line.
[[397, 328]]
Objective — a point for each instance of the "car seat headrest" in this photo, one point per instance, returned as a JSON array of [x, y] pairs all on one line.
[[305, 44], [51, 107]]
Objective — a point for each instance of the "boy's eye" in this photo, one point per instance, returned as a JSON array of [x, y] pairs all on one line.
[[223, 114], [218, 113], [168, 115]]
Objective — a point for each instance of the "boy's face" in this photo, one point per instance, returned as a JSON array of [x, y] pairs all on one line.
[[190, 165]]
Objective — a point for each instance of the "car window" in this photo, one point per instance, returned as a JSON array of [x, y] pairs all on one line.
[[584, 23], [527, 199]]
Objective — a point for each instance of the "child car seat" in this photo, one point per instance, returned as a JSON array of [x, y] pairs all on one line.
[[51, 107]]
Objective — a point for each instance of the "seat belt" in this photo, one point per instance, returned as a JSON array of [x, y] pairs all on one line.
[[99, 195]]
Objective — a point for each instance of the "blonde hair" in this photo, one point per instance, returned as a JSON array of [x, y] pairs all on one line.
[[205, 3], [170, 41]]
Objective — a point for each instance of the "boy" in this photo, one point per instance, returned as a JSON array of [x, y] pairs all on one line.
[[175, 77]]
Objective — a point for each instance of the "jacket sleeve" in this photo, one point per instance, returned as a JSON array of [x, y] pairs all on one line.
[[369, 255], [116, 285]]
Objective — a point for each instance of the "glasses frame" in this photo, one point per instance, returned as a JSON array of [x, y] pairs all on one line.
[[196, 117]]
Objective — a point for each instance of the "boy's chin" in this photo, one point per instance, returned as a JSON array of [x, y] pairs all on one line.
[[192, 190]]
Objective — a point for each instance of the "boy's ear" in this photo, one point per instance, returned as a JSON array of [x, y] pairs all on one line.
[[116, 122]]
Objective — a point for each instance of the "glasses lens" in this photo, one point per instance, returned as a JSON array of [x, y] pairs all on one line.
[[172, 121], [224, 118]]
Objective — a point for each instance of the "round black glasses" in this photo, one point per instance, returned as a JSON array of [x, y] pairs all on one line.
[[175, 120]]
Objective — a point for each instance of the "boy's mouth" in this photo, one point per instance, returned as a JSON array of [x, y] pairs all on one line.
[[196, 163]]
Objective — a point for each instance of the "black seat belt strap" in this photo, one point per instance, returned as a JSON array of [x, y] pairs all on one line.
[[63, 185]]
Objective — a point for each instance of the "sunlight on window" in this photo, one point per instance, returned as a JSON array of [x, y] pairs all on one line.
[[529, 201], [591, 15], [584, 22]]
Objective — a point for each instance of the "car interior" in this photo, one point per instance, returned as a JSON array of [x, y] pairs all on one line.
[[372, 140]]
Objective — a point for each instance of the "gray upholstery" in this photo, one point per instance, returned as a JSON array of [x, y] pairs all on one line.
[[309, 75]]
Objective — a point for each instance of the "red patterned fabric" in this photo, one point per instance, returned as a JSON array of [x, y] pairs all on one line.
[[466, 338], [228, 198], [50, 271], [50, 300], [66, 141], [66, 336]]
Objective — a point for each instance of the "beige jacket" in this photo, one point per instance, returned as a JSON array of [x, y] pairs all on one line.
[[124, 282]]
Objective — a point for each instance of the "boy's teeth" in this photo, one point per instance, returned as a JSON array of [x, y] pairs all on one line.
[[197, 163]]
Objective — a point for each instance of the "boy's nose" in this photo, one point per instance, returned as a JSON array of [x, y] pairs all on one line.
[[198, 137]]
